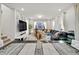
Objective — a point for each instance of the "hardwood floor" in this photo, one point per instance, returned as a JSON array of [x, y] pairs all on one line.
[[38, 48], [64, 49], [49, 49]]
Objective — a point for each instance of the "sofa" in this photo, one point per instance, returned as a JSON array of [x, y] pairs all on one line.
[[61, 35]]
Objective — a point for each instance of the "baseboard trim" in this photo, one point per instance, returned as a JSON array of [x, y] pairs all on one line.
[[5, 45], [74, 48]]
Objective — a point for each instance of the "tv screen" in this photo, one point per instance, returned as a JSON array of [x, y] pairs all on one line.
[[22, 25]]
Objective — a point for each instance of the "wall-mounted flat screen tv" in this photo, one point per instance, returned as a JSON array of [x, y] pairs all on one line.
[[22, 25]]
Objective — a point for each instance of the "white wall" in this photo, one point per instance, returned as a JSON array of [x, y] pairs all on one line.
[[77, 22], [69, 20], [7, 22], [58, 23], [49, 24], [0, 20], [17, 18], [20, 16], [75, 43], [53, 24], [27, 31], [65, 21], [62, 21]]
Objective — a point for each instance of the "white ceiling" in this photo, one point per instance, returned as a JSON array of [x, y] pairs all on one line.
[[46, 9]]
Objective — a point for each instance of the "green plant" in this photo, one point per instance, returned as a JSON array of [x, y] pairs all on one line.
[[30, 26]]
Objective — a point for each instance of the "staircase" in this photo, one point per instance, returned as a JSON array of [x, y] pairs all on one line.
[[5, 40]]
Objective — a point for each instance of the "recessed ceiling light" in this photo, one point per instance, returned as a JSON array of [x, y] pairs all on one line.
[[39, 16], [59, 9], [22, 9]]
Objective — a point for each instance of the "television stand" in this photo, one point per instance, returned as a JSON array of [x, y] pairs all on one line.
[[21, 37]]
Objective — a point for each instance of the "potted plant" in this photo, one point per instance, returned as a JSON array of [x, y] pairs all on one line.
[[30, 27]]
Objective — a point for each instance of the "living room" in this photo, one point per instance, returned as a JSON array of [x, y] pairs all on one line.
[[20, 20]]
